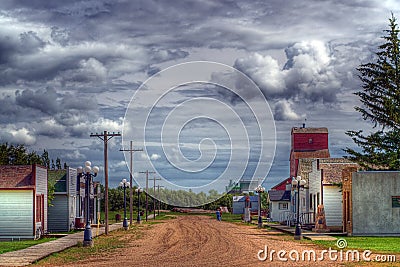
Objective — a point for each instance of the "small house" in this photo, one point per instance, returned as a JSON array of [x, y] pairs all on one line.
[[62, 210], [23, 202], [279, 200]]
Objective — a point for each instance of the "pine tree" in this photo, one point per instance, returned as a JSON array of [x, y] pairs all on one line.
[[58, 163], [380, 96], [46, 159]]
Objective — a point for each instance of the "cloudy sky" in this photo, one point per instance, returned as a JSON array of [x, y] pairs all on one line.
[[70, 68]]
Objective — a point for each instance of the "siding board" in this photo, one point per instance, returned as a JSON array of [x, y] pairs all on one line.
[[333, 206], [16, 213]]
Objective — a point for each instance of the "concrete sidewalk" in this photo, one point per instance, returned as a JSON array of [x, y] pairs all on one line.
[[32, 254], [305, 233]]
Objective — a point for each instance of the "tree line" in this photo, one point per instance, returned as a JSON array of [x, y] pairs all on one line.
[[176, 198], [19, 155]]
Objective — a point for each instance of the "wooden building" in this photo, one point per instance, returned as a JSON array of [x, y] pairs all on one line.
[[307, 143], [23, 202], [324, 181], [62, 210], [279, 199]]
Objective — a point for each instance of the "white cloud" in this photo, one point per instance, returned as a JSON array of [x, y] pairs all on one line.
[[155, 157], [283, 111], [265, 71], [13, 135]]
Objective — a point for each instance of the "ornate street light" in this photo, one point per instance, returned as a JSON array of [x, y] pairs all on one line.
[[86, 173], [125, 185], [259, 190], [138, 191], [298, 183]]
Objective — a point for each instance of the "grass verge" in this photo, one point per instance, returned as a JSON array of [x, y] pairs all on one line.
[[8, 246], [374, 244], [103, 245]]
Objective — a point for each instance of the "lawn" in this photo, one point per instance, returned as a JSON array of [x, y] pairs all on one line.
[[374, 244], [7, 246]]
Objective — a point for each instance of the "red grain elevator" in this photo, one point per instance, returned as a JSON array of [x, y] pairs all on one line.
[[307, 143]]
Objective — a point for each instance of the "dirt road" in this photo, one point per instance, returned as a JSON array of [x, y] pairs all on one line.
[[203, 241]]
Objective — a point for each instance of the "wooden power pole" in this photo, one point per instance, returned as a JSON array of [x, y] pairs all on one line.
[[147, 190], [131, 150], [154, 196], [105, 137]]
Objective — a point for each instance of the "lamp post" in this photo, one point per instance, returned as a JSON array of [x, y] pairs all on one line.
[[86, 173], [259, 190], [124, 184], [138, 191], [298, 183]]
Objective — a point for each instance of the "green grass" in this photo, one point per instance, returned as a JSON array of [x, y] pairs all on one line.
[[102, 244], [375, 244], [8, 246]]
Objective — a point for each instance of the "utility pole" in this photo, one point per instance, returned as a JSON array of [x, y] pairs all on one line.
[[105, 137], [159, 201], [147, 190], [154, 196], [131, 150]]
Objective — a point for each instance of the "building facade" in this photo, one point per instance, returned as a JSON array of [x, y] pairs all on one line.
[[23, 201], [371, 201], [62, 211]]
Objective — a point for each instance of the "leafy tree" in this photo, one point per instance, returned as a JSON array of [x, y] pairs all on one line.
[[380, 96]]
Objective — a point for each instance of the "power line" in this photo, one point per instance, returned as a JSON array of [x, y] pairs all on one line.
[[147, 190], [105, 137], [131, 150], [154, 197], [159, 198]]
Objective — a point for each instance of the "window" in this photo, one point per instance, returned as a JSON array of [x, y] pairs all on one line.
[[283, 206], [303, 201], [311, 201], [310, 141]]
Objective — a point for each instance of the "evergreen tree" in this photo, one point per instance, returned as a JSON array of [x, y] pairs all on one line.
[[46, 159], [380, 96], [58, 163]]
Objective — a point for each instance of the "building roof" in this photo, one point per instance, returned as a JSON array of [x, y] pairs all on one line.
[[279, 195], [323, 153], [282, 185], [17, 176], [309, 130]]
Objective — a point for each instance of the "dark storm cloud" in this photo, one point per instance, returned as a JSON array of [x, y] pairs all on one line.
[[76, 64], [43, 100]]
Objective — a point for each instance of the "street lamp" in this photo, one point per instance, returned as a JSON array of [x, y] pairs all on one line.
[[259, 190], [138, 191], [86, 173], [299, 183], [124, 184]]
